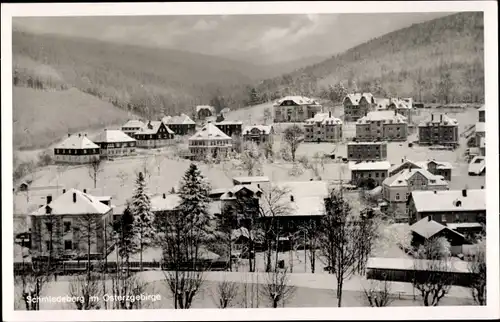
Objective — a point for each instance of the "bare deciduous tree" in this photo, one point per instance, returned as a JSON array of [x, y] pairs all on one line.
[[432, 268], [251, 158], [276, 287], [293, 136], [225, 294], [124, 288], [477, 266], [87, 290], [95, 168], [378, 294], [32, 282]]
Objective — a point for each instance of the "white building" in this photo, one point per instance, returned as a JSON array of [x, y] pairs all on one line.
[[76, 149], [115, 143]]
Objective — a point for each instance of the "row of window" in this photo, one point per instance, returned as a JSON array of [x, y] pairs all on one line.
[[210, 143], [76, 151], [152, 136], [111, 152], [377, 174], [117, 145]]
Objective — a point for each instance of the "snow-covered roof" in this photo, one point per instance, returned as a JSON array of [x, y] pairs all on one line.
[[356, 98], [66, 205], [134, 124], [368, 143], [229, 122], [229, 194], [406, 162], [255, 179], [428, 228], [298, 100], [400, 103], [441, 119], [401, 178], [165, 202], [182, 119], [77, 141], [481, 127], [482, 108], [447, 200], [205, 107], [382, 116], [112, 136], [152, 127], [382, 103], [464, 225], [262, 128], [210, 132], [323, 118], [369, 165], [409, 264], [439, 164]]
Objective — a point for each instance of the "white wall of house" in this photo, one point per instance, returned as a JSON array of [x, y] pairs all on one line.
[[76, 159]]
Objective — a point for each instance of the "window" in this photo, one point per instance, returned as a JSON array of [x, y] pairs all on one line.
[[67, 226], [397, 196], [48, 245], [68, 245], [48, 225], [376, 175], [369, 175], [443, 218]]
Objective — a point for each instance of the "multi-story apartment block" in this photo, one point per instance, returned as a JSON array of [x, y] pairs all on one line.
[[62, 223], [357, 105], [210, 140], [230, 128], [367, 151], [132, 126], [369, 173], [323, 127], [397, 188], [259, 133], [205, 111], [115, 143], [295, 109], [155, 134], [382, 125], [76, 149], [180, 124], [448, 206], [441, 130], [403, 106]]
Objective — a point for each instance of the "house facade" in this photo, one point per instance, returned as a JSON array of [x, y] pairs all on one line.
[[259, 134], [155, 134], [427, 229], [367, 151], [382, 125], [210, 141], [230, 128], [441, 130], [448, 206], [205, 111], [397, 188], [357, 105], [295, 109], [63, 223], [323, 128], [369, 173], [132, 126], [180, 124], [76, 149], [438, 168], [403, 106], [115, 143]]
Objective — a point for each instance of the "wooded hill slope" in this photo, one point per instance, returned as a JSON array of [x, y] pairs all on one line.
[[441, 60]]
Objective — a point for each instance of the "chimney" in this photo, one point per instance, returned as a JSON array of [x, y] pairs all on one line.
[[330, 114], [435, 192], [84, 190], [482, 187], [64, 191], [432, 117], [395, 112], [74, 197], [49, 199], [79, 135], [429, 218], [291, 199], [85, 134], [464, 193], [366, 113], [441, 119], [69, 134], [164, 196]]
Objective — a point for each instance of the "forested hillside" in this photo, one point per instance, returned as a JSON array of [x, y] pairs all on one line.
[[147, 81], [441, 60]]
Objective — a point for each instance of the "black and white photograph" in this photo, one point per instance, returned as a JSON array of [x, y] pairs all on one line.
[[250, 156]]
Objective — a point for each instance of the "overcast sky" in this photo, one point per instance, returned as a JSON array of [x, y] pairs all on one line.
[[253, 38]]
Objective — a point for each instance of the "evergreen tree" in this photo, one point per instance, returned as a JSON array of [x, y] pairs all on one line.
[[143, 216], [194, 193], [125, 235]]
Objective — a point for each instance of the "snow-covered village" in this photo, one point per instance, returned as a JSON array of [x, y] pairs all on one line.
[[357, 186]]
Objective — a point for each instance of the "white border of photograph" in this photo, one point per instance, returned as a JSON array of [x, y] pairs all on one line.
[[111, 9]]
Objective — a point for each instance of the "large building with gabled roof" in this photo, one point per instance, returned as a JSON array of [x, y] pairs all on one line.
[[382, 125], [295, 109], [132, 126], [356, 105], [154, 134], [115, 143], [76, 149], [323, 127], [439, 130], [180, 124], [210, 141], [63, 224]]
